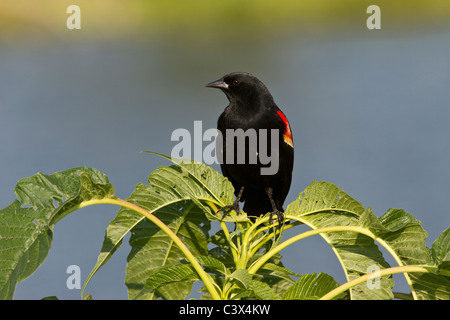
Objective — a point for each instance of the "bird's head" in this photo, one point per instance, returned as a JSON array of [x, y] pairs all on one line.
[[241, 87]]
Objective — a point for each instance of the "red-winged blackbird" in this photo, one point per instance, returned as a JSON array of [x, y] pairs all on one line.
[[251, 109]]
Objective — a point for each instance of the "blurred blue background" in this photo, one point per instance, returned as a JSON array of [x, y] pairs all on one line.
[[369, 109]]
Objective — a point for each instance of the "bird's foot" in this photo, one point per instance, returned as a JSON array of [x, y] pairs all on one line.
[[280, 217], [227, 209]]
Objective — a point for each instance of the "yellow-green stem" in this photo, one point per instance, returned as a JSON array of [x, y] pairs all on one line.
[[203, 275], [268, 237], [260, 262], [225, 231], [377, 239], [384, 272]]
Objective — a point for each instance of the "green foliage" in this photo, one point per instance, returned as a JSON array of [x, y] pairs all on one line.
[[172, 247], [26, 225]]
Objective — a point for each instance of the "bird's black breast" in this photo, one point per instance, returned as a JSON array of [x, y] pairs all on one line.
[[248, 174]]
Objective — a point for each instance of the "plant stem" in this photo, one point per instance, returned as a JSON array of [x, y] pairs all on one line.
[[203, 275], [260, 262], [223, 225], [388, 271], [382, 243], [268, 237]]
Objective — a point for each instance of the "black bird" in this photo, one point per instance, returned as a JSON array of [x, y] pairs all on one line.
[[251, 109]]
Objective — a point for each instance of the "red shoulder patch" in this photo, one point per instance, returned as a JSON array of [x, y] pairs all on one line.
[[287, 134]]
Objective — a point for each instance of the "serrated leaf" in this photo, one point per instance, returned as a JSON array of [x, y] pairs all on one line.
[[152, 248], [273, 273], [310, 287], [26, 226], [221, 250], [217, 186], [321, 196], [406, 237], [441, 250], [397, 219], [173, 191], [371, 222], [242, 278], [323, 204], [429, 286], [262, 290], [171, 273], [212, 263], [256, 290], [279, 270]]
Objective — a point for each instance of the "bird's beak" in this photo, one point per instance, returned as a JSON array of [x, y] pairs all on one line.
[[220, 84]]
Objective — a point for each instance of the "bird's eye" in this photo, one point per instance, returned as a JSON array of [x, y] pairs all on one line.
[[235, 82]]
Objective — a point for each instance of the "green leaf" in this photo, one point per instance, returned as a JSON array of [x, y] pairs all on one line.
[[183, 197], [256, 290], [406, 237], [403, 233], [323, 204], [273, 273], [323, 196], [221, 249], [262, 291], [242, 278], [152, 248], [277, 271], [218, 187], [441, 250], [212, 263], [26, 226], [172, 273], [177, 196], [310, 287]]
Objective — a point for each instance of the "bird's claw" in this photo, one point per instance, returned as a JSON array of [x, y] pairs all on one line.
[[280, 217], [227, 209]]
